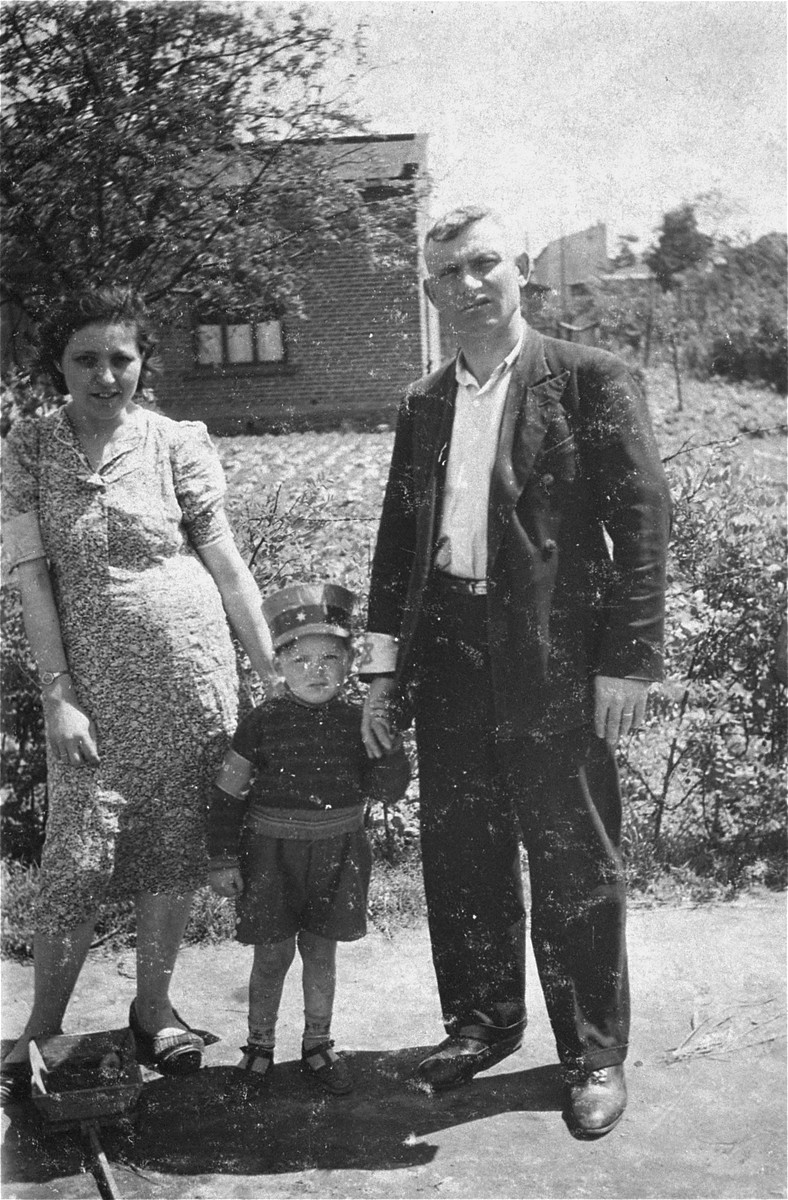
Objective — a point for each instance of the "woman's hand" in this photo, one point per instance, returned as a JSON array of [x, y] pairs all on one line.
[[70, 732], [273, 686]]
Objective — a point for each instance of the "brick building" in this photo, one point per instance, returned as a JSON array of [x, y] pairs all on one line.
[[365, 334]]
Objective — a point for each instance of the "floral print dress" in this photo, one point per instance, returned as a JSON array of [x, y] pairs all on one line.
[[147, 644]]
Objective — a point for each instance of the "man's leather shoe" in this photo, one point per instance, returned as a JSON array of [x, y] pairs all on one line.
[[595, 1100], [471, 1049]]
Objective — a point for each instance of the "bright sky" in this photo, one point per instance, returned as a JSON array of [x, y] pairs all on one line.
[[567, 113]]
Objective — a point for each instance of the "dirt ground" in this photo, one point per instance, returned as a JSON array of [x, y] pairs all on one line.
[[706, 1075]]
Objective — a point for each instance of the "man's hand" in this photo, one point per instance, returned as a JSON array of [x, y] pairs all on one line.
[[619, 706], [226, 881], [376, 730]]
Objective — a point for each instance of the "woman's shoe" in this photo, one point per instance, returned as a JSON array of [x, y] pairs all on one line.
[[257, 1061], [15, 1083], [322, 1064], [175, 1054]]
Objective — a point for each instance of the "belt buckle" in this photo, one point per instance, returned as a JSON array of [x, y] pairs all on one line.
[[461, 585]]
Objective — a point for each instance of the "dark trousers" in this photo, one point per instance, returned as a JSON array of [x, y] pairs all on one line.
[[478, 797]]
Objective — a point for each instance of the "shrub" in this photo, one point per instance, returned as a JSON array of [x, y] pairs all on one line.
[[704, 781], [114, 928], [757, 350], [212, 918], [20, 884], [396, 894], [24, 395], [22, 746]]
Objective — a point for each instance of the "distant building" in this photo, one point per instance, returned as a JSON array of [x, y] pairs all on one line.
[[365, 334], [572, 261], [565, 275]]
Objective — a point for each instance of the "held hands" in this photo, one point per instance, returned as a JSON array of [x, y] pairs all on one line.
[[619, 706], [376, 725], [70, 732], [273, 685], [226, 881]]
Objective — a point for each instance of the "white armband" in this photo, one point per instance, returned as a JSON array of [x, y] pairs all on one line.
[[377, 654], [235, 775]]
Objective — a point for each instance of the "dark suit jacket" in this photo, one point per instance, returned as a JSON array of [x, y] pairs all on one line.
[[576, 460]]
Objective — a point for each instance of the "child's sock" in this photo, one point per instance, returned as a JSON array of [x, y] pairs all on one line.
[[258, 1054], [321, 1062], [316, 1032], [263, 1036]]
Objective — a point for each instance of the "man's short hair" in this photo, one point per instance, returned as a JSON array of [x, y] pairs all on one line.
[[457, 220], [454, 222]]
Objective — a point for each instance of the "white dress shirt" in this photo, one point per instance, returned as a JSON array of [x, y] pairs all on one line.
[[462, 541], [462, 537]]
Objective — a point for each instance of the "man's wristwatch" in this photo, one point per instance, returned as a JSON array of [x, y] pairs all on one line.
[[49, 677]]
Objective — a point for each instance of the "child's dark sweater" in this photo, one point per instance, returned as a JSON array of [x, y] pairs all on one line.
[[302, 758]]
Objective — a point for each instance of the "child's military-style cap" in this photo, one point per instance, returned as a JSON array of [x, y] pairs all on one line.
[[305, 608]]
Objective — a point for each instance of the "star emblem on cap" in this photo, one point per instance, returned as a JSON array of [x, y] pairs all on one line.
[[300, 615]]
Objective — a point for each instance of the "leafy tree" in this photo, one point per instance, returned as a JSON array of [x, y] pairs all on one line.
[[733, 313], [680, 245], [625, 254], [722, 217], [177, 147]]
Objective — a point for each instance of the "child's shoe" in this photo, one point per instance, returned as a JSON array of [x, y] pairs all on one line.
[[327, 1068], [257, 1061]]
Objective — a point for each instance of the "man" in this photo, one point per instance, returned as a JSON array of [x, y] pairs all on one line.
[[524, 646]]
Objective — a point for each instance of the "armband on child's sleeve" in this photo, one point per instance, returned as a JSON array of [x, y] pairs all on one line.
[[235, 775]]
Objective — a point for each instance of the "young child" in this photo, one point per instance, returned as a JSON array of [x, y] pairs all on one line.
[[286, 835]]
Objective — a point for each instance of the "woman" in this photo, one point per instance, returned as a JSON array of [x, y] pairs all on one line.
[[128, 574]]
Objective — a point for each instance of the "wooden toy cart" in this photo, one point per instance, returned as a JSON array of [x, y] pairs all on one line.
[[84, 1081]]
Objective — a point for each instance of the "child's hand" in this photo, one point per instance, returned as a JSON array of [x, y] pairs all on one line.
[[274, 686], [226, 881]]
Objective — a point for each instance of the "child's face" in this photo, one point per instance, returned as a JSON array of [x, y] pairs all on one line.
[[315, 666]]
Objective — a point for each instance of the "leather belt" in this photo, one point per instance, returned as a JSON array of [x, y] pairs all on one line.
[[456, 583]]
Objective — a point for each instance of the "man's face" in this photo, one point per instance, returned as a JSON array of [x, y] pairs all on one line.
[[474, 281]]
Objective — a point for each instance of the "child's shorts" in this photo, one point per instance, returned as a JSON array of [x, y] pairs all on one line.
[[291, 885]]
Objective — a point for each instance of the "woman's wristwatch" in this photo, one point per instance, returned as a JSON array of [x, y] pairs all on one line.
[[49, 677]]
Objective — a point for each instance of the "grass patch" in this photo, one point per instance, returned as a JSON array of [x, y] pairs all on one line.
[[396, 895], [20, 884]]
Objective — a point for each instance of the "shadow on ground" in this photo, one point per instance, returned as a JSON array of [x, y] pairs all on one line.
[[216, 1121]]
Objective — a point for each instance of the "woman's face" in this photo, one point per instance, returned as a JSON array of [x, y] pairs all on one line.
[[101, 365]]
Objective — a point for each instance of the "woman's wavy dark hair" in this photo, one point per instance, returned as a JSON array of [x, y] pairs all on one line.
[[111, 305]]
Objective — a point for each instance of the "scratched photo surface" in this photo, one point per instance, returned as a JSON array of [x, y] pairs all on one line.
[[543, 456]]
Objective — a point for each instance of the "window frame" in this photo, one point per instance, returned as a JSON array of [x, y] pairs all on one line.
[[223, 322]]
